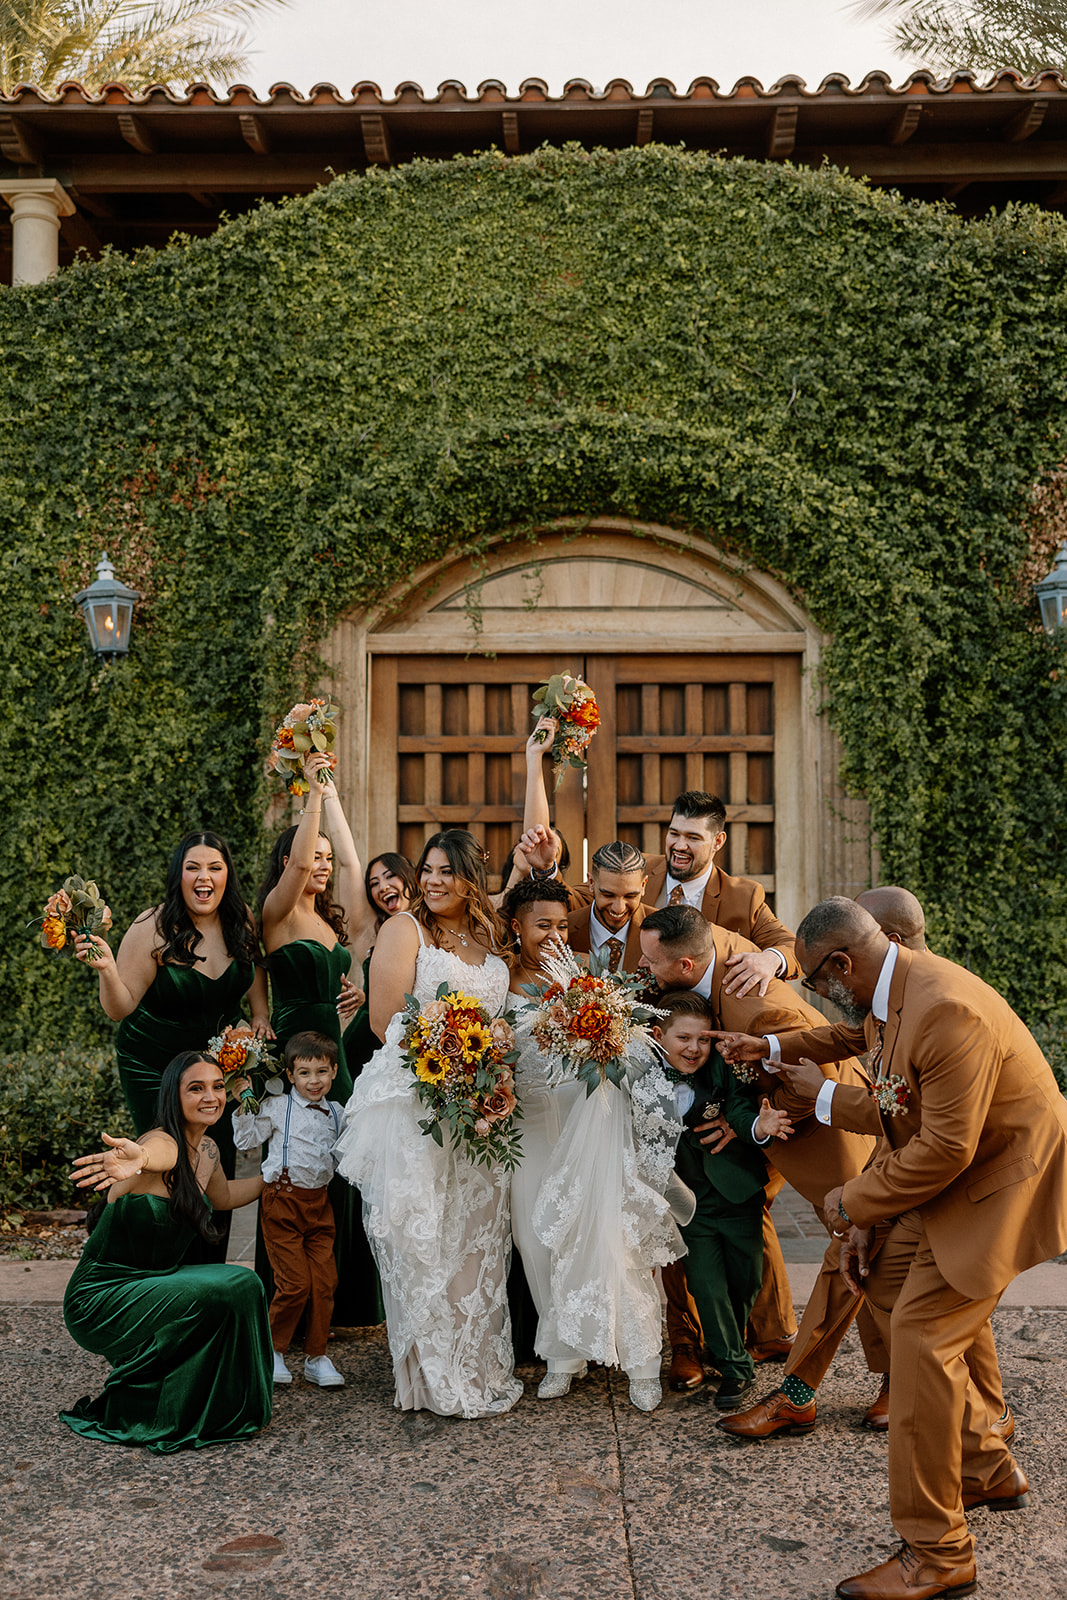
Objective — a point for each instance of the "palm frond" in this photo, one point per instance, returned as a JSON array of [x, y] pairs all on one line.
[[982, 35]]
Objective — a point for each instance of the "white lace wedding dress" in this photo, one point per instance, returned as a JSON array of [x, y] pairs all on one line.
[[437, 1223], [608, 1211]]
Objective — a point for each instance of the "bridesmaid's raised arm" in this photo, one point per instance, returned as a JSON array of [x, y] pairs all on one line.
[[392, 971], [286, 895], [127, 978]]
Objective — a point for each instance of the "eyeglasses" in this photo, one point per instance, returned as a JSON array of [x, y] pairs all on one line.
[[809, 981]]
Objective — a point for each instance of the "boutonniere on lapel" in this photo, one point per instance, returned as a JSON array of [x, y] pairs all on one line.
[[891, 1095], [745, 1071]]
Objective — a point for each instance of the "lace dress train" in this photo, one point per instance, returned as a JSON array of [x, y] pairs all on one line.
[[437, 1223]]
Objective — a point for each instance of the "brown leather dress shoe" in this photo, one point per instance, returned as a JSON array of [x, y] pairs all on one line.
[[775, 1414], [687, 1369], [877, 1416], [1010, 1494], [773, 1350], [1005, 1425], [908, 1577]]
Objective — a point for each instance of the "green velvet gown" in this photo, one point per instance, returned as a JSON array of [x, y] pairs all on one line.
[[181, 1010], [189, 1345], [305, 980]]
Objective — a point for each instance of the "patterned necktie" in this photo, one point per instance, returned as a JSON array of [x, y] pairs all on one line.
[[615, 948], [874, 1056], [676, 896]]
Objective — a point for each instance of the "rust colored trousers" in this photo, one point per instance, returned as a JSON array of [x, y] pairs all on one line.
[[298, 1231]]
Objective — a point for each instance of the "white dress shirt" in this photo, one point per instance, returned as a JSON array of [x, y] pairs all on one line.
[[313, 1131], [693, 890], [880, 1012], [599, 935]]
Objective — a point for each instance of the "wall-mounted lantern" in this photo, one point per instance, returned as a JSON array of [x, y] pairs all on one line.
[[1052, 594], [107, 606]]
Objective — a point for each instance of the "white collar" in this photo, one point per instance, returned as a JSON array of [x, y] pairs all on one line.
[[599, 935], [880, 1002], [315, 1105], [703, 985], [692, 888]]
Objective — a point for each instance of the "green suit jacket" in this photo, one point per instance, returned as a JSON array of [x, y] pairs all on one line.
[[740, 1171]]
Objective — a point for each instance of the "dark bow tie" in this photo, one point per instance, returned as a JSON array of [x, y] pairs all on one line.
[[311, 1107]]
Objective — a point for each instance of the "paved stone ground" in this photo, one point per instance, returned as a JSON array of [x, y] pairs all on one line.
[[581, 1499]]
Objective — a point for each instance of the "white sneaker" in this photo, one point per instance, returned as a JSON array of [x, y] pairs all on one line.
[[645, 1393], [281, 1371], [321, 1370], [554, 1385]]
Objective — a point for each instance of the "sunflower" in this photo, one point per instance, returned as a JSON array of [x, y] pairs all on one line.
[[431, 1069], [476, 1040]]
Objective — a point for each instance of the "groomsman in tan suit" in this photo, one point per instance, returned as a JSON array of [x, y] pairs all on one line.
[[687, 875], [608, 925], [968, 1188], [683, 951]]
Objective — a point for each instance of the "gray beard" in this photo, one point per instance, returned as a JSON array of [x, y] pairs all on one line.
[[845, 1001]]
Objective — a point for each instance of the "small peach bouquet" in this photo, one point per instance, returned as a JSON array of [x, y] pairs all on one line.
[[76, 908], [243, 1054], [309, 728], [588, 1020], [463, 1061], [573, 704]]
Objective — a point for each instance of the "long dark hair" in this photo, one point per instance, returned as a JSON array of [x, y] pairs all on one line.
[[330, 912], [185, 1198], [402, 867], [467, 859], [176, 928]]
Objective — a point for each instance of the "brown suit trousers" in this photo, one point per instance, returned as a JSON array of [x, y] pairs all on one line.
[[298, 1231]]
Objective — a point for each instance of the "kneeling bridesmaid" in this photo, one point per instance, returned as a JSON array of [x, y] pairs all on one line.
[[188, 1342]]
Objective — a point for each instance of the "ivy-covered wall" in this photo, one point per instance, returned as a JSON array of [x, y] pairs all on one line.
[[269, 426]]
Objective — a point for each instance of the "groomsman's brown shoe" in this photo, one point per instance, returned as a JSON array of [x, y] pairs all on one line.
[[877, 1416], [909, 1577], [773, 1349], [1010, 1494], [1004, 1427], [687, 1369], [775, 1414]]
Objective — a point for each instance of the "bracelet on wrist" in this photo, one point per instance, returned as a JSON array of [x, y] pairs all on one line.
[[843, 1213]]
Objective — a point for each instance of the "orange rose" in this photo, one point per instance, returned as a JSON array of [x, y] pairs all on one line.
[[450, 1045], [498, 1105], [591, 1022], [585, 713], [55, 932]]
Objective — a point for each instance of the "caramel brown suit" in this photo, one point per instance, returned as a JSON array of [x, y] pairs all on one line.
[[738, 904], [968, 1188], [578, 934]]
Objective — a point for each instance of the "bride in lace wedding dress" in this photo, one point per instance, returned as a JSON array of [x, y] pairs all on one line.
[[437, 1223]]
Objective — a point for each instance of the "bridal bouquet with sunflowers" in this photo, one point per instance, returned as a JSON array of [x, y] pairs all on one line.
[[573, 705], [462, 1060], [308, 729], [76, 908], [588, 1020]]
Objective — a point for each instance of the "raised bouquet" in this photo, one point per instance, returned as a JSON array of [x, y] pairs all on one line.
[[308, 728], [589, 1020], [463, 1063], [573, 704], [242, 1054], [76, 908]]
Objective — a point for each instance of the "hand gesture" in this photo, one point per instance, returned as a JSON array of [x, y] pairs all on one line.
[[538, 847], [93, 951], [751, 969], [719, 1134], [318, 769], [805, 1080], [540, 740], [741, 1046], [349, 1000], [771, 1123], [261, 1027], [855, 1260], [122, 1161]]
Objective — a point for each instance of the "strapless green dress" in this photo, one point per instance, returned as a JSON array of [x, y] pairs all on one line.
[[305, 979], [181, 1010], [189, 1345]]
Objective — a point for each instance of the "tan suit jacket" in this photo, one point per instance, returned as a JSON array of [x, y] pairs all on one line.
[[816, 1158], [578, 934], [981, 1146], [735, 903]]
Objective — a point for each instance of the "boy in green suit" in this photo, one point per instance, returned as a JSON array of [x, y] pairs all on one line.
[[719, 1158]]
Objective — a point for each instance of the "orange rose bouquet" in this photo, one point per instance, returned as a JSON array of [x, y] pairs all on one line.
[[589, 1020], [463, 1062], [76, 908], [573, 704], [307, 729], [242, 1054]]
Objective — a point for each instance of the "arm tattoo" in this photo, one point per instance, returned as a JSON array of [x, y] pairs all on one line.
[[211, 1150]]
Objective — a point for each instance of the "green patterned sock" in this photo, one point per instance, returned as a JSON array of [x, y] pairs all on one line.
[[797, 1391]]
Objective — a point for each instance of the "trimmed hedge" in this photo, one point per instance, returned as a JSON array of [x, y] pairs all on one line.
[[267, 427], [54, 1107]]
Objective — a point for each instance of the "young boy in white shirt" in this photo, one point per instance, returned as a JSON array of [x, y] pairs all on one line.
[[294, 1208]]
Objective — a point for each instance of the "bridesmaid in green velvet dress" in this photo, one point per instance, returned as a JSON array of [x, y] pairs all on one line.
[[189, 1344], [304, 934], [180, 975]]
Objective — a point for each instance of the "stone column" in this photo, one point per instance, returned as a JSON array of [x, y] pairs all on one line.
[[36, 207]]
